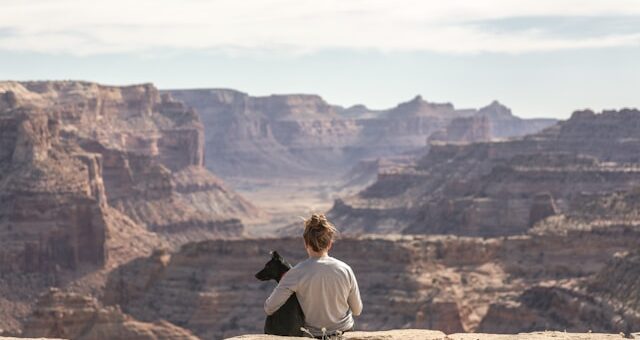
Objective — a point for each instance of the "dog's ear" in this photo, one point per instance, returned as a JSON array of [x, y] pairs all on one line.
[[275, 255]]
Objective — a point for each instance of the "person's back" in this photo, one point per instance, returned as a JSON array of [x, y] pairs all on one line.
[[326, 287]]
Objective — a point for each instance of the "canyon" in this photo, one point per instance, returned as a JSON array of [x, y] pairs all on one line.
[[567, 276], [301, 147], [92, 176], [129, 212], [500, 187], [302, 135]]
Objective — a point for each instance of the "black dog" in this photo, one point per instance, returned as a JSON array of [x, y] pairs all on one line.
[[289, 318]]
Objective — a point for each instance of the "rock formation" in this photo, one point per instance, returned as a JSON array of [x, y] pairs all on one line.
[[92, 176], [447, 283], [504, 187], [606, 300], [466, 129], [53, 205], [609, 303], [73, 316], [503, 124], [100, 184], [148, 152], [302, 135], [618, 281], [418, 334]]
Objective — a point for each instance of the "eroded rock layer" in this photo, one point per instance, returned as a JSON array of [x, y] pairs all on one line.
[[73, 316], [92, 176], [53, 204], [501, 188], [147, 152], [302, 135], [418, 334], [447, 283]]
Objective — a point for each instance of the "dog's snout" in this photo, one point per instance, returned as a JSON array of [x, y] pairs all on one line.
[[262, 276]]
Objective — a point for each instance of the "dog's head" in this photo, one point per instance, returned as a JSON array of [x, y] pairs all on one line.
[[274, 269]]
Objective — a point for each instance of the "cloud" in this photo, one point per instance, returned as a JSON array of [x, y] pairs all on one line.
[[81, 27]]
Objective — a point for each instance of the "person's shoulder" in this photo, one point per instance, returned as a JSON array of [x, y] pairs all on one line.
[[339, 263], [302, 264], [298, 270]]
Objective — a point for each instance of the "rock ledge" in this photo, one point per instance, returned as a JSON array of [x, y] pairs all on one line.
[[419, 334]]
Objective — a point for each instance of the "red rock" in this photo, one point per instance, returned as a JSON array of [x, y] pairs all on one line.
[[497, 188], [293, 136]]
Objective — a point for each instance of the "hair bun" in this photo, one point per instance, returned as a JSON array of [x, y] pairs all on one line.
[[319, 232], [317, 221]]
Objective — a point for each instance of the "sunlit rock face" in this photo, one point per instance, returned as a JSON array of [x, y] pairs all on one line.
[[53, 200], [92, 176], [503, 187], [74, 316], [147, 152], [607, 301], [303, 135], [447, 283]]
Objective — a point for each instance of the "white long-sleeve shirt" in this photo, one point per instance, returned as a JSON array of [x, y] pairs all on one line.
[[327, 291]]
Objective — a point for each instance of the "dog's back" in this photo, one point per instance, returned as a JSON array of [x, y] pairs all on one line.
[[289, 318]]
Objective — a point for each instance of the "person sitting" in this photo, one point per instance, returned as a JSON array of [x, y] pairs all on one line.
[[325, 286]]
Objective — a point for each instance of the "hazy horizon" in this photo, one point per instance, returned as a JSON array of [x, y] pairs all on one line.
[[540, 58]]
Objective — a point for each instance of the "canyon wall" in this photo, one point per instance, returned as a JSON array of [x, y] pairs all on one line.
[[447, 283], [501, 187], [104, 188], [74, 316], [150, 151], [302, 135], [92, 176], [53, 202]]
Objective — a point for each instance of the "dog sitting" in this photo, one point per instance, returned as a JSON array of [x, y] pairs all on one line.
[[289, 318]]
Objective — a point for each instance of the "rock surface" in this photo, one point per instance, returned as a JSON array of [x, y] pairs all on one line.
[[451, 284], [92, 176], [301, 135], [11, 338], [501, 188], [53, 210], [73, 316], [148, 151], [433, 335], [467, 129]]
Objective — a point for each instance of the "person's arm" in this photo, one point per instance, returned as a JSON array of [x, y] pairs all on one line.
[[281, 293], [355, 303]]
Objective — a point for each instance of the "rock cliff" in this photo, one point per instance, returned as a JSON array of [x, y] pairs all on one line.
[[149, 152], [503, 187], [607, 302], [302, 135], [417, 334], [53, 203], [503, 124], [92, 176], [447, 283], [466, 129], [73, 316]]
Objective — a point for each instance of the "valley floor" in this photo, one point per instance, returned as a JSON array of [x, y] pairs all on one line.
[[285, 202]]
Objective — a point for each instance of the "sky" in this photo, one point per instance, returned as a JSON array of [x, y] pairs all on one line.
[[542, 58]]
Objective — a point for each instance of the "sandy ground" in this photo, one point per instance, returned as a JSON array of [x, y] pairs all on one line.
[[286, 202]]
